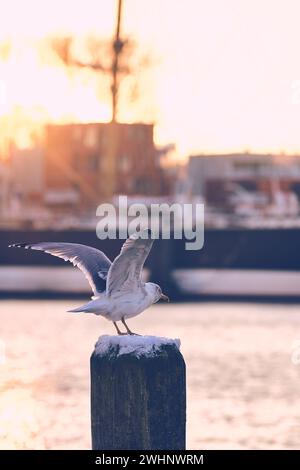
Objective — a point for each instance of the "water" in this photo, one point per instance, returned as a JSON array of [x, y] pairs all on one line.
[[243, 389]]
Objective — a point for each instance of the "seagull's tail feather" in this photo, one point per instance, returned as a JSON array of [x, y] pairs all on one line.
[[77, 310], [98, 306]]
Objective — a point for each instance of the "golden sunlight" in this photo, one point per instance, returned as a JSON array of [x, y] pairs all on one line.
[[217, 81]]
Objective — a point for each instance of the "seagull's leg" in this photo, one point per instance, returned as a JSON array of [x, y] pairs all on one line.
[[118, 330], [129, 332]]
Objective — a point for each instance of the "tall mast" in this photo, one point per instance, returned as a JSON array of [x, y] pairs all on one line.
[[118, 45]]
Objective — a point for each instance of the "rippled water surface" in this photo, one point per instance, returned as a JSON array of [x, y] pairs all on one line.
[[243, 389]]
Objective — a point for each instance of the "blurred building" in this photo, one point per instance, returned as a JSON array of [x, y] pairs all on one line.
[[86, 164], [4, 188], [27, 169], [227, 181]]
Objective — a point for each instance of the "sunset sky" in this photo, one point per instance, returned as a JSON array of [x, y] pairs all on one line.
[[221, 76]]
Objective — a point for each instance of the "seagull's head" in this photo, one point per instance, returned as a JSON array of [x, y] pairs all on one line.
[[156, 292]]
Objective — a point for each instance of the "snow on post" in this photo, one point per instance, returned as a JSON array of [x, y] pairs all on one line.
[[138, 394]]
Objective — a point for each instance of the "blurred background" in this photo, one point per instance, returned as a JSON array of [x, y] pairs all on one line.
[[161, 101]]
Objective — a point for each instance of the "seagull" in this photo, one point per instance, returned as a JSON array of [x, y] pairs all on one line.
[[118, 288]]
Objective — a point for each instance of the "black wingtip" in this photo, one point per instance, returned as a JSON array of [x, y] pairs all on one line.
[[19, 245], [148, 232], [145, 234]]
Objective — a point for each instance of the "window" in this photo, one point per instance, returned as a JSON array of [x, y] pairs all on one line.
[[124, 163], [90, 137], [75, 161], [92, 162]]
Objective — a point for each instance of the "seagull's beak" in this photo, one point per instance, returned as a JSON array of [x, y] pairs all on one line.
[[165, 297]]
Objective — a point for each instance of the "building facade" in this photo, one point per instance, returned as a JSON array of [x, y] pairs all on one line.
[[217, 178], [86, 164]]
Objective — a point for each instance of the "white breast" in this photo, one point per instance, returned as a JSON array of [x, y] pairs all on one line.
[[128, 305]]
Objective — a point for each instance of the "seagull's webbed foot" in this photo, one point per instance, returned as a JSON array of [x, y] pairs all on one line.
[[129, 332]]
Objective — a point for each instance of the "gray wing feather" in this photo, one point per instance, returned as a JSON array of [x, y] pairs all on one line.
[[126, 270], [92, 262]]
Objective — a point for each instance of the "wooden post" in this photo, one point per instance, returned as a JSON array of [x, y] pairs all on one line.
[[138, 394]]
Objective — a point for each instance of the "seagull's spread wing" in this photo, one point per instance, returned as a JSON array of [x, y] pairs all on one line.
[[125, 272], [92, 262]]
